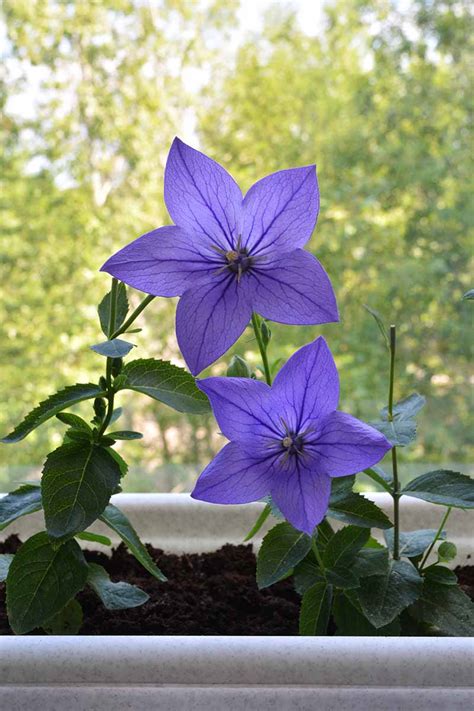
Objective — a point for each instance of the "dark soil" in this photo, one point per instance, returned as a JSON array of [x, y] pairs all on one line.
[[207, 594]]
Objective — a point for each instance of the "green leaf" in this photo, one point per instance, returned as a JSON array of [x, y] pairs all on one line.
[[413, 543], [125, 434], [282, 548], [167, 383], [383, 597], [343, 578], [351, 622], [51, 406], [258, 523], [445, 607], [77, 484], [379, 321], [123, 466], [94, 538], [116, 414], [447, 552], [341, 488], [116, 348], [407, 408], [41, 580], [355, 509], [24, 500], [74, 421], [121, 309], [469, 295], [440, 575], [118, 522], [370, 561], [5, 562], [315, 609], [443, 487], [343, 546], [66, 621], [73, 435], [114, 596], [306, 574], [380, 477], [238, 368], [400, 433]]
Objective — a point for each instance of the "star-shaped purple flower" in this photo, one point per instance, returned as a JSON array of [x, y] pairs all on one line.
[[287, 440], [227, 256]]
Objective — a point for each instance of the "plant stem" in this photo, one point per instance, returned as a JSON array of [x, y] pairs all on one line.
[[108, 367], [436, 538], [263, 350], [133, 316], [396, 484]]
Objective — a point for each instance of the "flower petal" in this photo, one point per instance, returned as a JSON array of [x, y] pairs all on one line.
[[234, 478], [280, 211], [210, 318], [293, 288], [307, 386], [164, 262], [201, 196], [348, 446], [301, 493], [243, 409]]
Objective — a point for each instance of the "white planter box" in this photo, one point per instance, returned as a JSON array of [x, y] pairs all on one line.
[[220, 673]]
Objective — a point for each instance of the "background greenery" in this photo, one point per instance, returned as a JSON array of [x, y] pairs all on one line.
[[93, 93]]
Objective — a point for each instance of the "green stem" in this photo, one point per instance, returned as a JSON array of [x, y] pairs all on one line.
[[133, 316], [108, 367], [396, 484], [436, 538], [263, 350]]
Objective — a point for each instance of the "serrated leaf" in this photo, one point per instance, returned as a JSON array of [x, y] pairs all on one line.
[[443, 487], [342, 577], [356, 510], [125, 434], [383, 597], [5, 563], [440, 575], [118, 522], [413, 543], [351, 622], [114, 596], [282, 548], [342, 547], [67, 397], [167, 383], [306, 574], [94, 538], [116, 348], [315, 610], [74, 421], [67, 621], [24, 500], [445, 607], [41, 580], [406, 409], [370, 561], [76, 486], [400, 433], [121, 309], [341, 488]]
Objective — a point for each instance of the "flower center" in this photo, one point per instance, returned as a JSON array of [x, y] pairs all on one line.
[[293, 443], [238, 260]]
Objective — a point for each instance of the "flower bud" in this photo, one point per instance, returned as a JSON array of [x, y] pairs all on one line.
[[266, 333], [100, 407], [238, 368]]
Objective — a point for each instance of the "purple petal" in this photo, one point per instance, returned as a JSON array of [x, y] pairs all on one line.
[[210, 318], [293, 288], [307, 386], [348, 446], [243, 409], [201, 196], [280, 211], [234, 478], [301, 494], [164, 262]]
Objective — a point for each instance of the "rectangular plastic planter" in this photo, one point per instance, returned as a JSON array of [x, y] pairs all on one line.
[[217, 673]]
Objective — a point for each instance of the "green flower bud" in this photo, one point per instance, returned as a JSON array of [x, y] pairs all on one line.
[[238, 368], [266, 333], [100, 408], [447, 552]]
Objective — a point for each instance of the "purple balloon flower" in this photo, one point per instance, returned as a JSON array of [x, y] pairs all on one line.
[[287, 440], [227, 256]]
